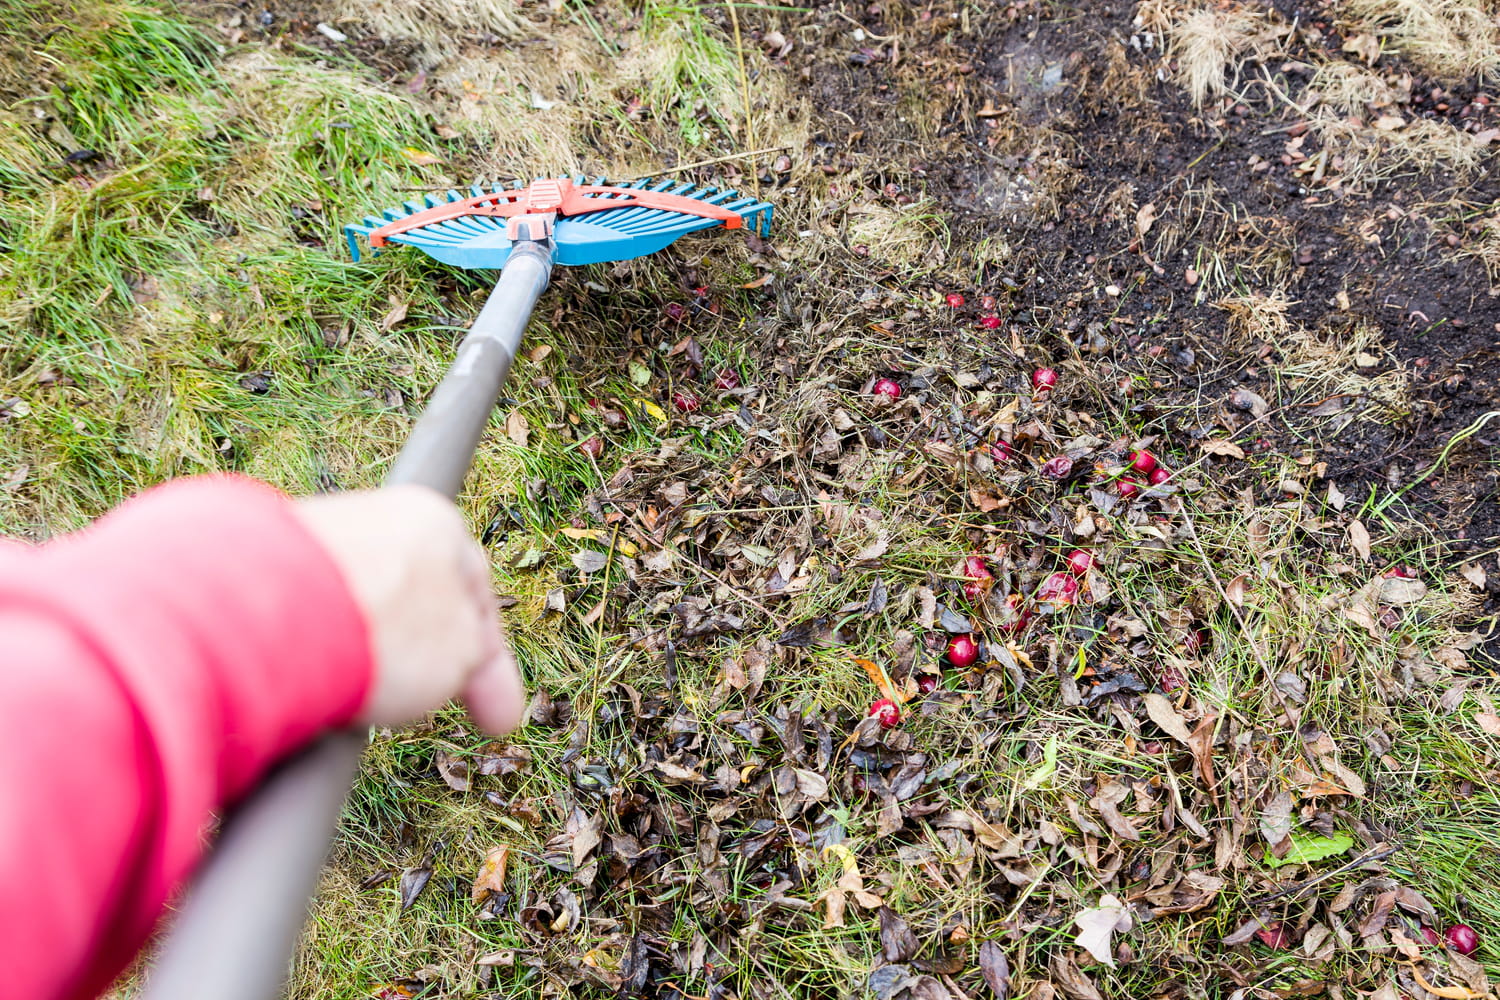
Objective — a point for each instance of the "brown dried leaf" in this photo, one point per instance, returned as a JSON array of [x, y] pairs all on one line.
[[1166, 717], [587, 832], [1107, 802], [454, 772], [1201, 743], [812, 784], [491, 877], [397, 314], [1223, 447], [1400, 590], [1359, 538], [995, 969], [1380, 912], [1066, 974], [413, 881], [897, 942], [517, 429]]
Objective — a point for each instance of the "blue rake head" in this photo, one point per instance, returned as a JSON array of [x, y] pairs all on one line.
[[590, 223]]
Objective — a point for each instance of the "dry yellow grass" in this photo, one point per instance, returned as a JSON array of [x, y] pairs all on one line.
[[1207, 44], [1452, 39], [1362, 152], [1349, 88], [440, 28]]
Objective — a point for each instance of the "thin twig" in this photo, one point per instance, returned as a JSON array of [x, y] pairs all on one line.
[[1297, 888]]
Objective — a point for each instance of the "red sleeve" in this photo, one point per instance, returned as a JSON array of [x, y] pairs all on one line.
[[151, 668]]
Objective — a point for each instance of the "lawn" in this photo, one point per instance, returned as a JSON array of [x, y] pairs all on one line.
[[1249, 748]]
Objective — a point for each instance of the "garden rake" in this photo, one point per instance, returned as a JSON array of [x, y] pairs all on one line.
[[238, 925]]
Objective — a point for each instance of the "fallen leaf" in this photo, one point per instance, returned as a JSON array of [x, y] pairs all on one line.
[[516, 428], [812, 784], [1400, 590], [1107, 803], [1223, 447], [589, 561], [995, 969], [875, 549], [1473, 572], [1074, 983], [413, 881], [587, 832], [897, 942], [1201, 743], [1359, 538], [1096, 928], [1276, 818], [491, 877], [396, 314], [1144, 217], [1166, 717], [1446, 992], [453, 771], [1309, 847], [420, 157]]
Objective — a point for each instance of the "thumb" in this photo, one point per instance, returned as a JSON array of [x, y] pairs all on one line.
[[494, 693]]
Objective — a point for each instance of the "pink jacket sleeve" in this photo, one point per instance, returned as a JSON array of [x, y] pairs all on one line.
[[151, 668]]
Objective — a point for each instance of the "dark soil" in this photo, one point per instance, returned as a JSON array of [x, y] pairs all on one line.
[[1082, 117]]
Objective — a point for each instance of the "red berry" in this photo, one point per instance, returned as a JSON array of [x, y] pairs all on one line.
[[980, 578], [1462, 938], [987, 302], [701, 291], [685, 401], [1015, 603], [989, 322], [1400, 573], [962, 650], [614, 418], [954, 300], [592, 447], [1275, 935], [1431, 936], [1142, 462], [1058, 467], [1127, 488], [1002, 451], [676, 312], [1043, 379], [927, 683], [887, 388], [1059, 588], [727, 379], [886, 711], [1197, 639], [1080, 561], [1159, 475]]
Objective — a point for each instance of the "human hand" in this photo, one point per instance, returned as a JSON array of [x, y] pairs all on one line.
[[423, 584]]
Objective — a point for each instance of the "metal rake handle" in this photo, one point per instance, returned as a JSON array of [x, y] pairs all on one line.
[[236, 930]]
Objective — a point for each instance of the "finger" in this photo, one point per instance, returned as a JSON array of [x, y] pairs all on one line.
[[494, 694]]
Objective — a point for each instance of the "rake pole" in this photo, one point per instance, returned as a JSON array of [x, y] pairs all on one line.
[[235, 932]]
